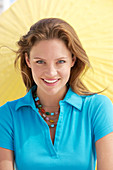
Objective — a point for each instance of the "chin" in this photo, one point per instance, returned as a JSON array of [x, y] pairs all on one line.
[[55, 91], [52, 92]]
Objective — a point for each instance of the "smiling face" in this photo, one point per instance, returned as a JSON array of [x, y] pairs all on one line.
[[50, 62]]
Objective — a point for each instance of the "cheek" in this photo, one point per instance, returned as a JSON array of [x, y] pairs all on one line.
[[35, 72], [66, 71]]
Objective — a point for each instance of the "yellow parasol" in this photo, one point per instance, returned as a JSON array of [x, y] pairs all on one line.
[[92, 20]]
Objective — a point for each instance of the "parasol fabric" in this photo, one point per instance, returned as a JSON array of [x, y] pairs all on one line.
[[92, 20]]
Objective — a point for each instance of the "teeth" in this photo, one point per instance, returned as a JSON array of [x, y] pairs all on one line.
[[50, 81]]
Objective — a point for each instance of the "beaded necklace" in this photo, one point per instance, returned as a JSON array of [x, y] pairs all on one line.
[[50, 118]]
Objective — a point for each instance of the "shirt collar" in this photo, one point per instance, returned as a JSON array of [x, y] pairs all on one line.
[[71, 97], [27, 100], [74, 99]]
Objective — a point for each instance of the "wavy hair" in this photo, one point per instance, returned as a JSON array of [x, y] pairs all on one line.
[[54, 28]]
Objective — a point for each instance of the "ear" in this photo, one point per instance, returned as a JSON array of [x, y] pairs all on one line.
[[73, 61], [27, 60]]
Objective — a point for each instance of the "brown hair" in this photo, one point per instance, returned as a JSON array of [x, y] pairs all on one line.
[[51, 28]]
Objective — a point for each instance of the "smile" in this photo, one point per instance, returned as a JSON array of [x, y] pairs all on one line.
[[50, 81]]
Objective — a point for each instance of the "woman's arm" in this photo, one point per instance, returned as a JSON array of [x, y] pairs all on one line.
[[104, 149], [6, 159]]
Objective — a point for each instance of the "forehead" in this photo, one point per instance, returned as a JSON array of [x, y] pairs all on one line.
[[50, 47]]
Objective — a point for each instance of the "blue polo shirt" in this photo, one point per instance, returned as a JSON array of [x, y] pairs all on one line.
[[82, 121]]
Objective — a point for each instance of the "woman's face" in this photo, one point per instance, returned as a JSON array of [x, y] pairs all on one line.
[[50, 62]]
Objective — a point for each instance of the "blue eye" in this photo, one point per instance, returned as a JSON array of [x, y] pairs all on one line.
[[40, 61], [61, 61]]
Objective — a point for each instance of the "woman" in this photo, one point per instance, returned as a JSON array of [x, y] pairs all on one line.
[[59, 123]]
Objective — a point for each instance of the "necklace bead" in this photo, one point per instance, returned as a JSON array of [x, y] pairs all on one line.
[[42, 110], [37, 102], [35, 95], [52, 121], [39, 105], [36, 99], [45, 114], [52, 125], [47, 118]]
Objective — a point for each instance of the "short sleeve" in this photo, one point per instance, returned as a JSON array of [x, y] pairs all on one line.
[[101, 110], [6, 128]]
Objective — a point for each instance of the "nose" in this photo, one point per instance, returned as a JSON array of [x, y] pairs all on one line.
[[50, 71]]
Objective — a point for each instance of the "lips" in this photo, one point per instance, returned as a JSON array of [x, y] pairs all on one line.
[[50, 81]]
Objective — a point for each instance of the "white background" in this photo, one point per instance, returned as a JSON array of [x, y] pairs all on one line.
[[5, 4]]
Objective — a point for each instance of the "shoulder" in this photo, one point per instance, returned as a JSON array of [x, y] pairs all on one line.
[[11, 103], [97, 98], [8, 108], [98, 104], [14, 105], [97, 101], [87, 101]]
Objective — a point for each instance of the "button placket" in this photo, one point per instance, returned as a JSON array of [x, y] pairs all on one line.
[[59, 127], [53, 148], [47, 135]]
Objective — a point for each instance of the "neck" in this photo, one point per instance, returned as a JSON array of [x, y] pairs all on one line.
[[51, 100]]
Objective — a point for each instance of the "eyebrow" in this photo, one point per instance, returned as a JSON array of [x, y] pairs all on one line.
[[45, 58], [38, 58]]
